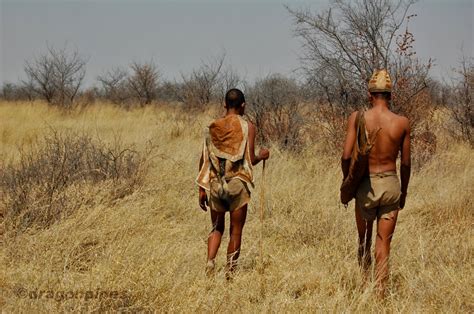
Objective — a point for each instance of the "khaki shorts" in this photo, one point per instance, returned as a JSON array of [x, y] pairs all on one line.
[[379, 196], [237, 195]]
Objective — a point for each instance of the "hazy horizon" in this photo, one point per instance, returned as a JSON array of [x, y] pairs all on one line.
[[256, 36]]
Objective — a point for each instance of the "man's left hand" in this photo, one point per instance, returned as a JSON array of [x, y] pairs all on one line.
[[403, 198], [203, 202]]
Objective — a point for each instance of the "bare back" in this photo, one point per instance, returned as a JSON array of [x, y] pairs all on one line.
[[390, 138]]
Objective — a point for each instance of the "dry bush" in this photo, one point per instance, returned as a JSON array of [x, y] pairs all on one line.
[[55, 176], [462, 110], [56, 76], [115, 87], [123, 88], [274, 107], [424, 141], [411, 97], [143, 82], [86, 98], [202, 85], [229, 78], [17, 92], [327, 126]]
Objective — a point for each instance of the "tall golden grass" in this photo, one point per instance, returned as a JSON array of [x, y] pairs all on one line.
[[150, 246]]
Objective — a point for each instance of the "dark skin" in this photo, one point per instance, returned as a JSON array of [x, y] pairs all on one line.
[[238, 216], [394, 137]]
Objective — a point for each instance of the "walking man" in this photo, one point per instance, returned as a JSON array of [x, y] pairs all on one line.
[[226, 173], [380, 195]]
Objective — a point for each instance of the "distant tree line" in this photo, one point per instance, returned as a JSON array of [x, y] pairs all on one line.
[[341, 47]]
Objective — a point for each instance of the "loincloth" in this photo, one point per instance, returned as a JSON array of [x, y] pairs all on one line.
[[379, 195], [235, 196]]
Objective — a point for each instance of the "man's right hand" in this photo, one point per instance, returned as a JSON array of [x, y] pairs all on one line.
[[403, 198], [203, 202], [264, 154]]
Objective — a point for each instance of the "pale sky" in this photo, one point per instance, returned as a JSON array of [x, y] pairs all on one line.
[[256, 35]]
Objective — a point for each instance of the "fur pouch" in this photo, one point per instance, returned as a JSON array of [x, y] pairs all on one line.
[[359, 160]]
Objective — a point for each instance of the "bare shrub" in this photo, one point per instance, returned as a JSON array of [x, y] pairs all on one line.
[[168, 91], [62, 172], [87, 97], [462, 110], [115, 85], [439, 92], [202, 85], [424, 148], [14, 92], [122, 88], [273, 106], [424, 141], [328, 124], [143, 82], [228, 79], [56, 75], [411, 96]]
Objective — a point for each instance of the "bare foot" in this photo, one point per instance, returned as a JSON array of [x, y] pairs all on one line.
[[210, 268]]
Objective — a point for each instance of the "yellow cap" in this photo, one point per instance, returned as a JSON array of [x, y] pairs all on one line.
[[380, 82]]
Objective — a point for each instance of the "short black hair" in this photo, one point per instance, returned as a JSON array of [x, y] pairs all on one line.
[[234, 98], [384, 95]]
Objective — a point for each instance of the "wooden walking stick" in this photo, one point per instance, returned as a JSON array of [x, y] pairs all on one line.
[[262, 211]]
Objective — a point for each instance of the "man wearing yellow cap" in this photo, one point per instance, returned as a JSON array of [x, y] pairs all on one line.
[[380, 195]]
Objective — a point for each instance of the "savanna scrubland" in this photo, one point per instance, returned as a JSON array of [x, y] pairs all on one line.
[[99, 209], [102, 199]]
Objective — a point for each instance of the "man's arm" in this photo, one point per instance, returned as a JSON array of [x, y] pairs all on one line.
[[201, 161], [405, 165], [349, 144], [263, 154], [203, 202]]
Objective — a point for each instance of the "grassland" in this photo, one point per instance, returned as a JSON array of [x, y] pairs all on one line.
[[150, 246]]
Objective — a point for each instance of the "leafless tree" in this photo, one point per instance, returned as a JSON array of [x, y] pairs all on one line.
[[201, 86], [26, 90], [439, 92], [229, 78], [57, 75], [169, 91], [144, 81], [410, 76], [343, 45], [14, 92], [41, 73], [273, 106], [115, 85], [462, 108], [8, 90]]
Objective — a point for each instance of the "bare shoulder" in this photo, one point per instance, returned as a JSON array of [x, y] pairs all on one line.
[[353, 117], [252, 129], [251, 126], [403, 121]]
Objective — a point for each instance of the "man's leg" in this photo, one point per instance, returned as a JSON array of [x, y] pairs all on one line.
[[385, 229], [364, 228], [237, 222], [214, 238]]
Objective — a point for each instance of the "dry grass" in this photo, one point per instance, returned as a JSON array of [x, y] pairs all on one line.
[[150, 246]]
